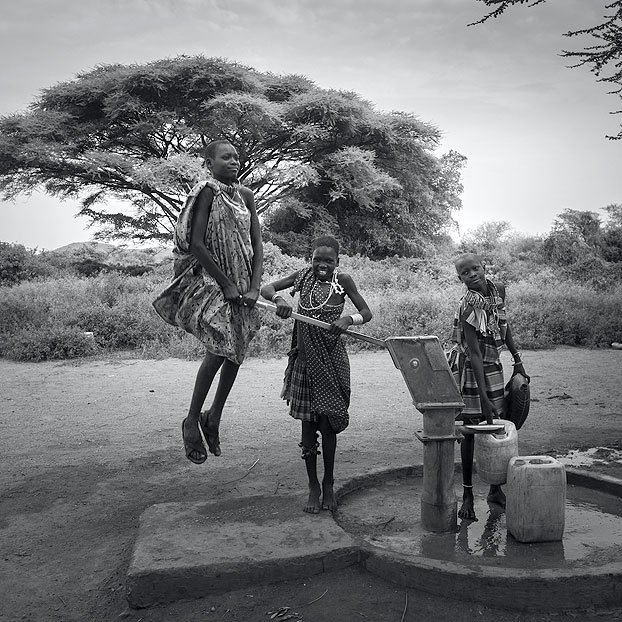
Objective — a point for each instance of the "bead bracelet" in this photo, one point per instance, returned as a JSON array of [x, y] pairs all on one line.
[[357, 319]]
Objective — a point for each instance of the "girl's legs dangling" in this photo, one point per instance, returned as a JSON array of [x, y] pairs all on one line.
[[205, 376], [211, 421]]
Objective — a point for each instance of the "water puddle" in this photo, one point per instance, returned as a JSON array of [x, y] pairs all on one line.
[[591, 456], [389, 516]]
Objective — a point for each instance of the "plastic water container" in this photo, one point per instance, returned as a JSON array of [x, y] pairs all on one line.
[[493, 453], [536, 499]]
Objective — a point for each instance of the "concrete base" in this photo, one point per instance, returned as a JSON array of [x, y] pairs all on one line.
[[506, 588], [439, 518], [382, 511], [191, 550]]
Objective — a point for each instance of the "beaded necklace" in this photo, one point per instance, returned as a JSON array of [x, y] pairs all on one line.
[[494, 318], [335, 286], [231, 195]]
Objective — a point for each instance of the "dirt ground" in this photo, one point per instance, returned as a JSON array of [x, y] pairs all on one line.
[[87, 446]]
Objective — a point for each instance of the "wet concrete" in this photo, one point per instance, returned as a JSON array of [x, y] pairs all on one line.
[[191, 550], [584, 569]]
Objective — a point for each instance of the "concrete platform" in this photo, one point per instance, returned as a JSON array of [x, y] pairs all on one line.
[[481, 562], [192, 550]]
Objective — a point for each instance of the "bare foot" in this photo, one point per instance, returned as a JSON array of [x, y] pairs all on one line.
[[313, 502], [496, 495], [467, 510], [329, 501]]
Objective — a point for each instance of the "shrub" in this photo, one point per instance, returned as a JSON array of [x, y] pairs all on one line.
[[546, 311], [45, 343], [125, 326], [47, 319], [22, 306], [18, 263]]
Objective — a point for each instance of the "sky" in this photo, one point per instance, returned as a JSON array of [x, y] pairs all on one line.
[[533, 130]]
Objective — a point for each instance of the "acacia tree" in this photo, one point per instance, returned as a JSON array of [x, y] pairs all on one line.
[[603, 57], [136, 133]]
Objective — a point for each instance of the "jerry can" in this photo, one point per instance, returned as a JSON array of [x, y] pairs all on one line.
[[536, 499], [493, 453]]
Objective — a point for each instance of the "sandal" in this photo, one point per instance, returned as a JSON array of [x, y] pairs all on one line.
[[193, 447], [211, 440]]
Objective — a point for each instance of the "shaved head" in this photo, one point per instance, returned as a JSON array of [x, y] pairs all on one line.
[[210, 150], [468, 257], [326, 240]]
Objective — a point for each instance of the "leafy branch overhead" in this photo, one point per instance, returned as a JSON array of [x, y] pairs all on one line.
[[133, 136], [602, 55]]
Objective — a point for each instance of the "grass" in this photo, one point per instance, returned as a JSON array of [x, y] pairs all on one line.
[[47, 318]]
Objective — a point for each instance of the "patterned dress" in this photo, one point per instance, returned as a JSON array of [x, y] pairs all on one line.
[[488, 316], [317, 378], [194, 301]]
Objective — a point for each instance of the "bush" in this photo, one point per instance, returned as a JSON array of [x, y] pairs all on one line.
[[22, 306], [47, 319], [45, 343], [18, 263], [116, 308], [546, 311]]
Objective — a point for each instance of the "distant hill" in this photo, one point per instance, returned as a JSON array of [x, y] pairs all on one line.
[[112, 255]]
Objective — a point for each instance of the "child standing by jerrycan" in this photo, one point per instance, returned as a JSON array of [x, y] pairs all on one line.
[[480, 330], [317, 379]]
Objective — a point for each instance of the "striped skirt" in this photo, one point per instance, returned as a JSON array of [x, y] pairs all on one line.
[[467, 382], [300, 393]]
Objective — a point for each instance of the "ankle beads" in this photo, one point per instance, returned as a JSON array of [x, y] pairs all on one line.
[[308, 452]]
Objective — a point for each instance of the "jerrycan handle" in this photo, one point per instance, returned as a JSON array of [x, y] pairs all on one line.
[[501, 434]]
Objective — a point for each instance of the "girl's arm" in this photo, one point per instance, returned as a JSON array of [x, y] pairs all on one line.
[[250, 297], [200, 217], [269, 291], [518, 363], [477, 363], [509, 341], [345, 321]]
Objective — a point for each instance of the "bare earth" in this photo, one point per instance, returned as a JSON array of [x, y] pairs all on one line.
[[87, 446]]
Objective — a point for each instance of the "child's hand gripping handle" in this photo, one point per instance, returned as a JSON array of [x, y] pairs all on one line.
[[325, 325]]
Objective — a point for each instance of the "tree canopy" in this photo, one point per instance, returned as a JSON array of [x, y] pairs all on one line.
[[578, 236], [603, 56], [316, 159], [579, 248]]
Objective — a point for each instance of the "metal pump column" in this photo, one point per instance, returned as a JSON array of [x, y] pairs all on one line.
[[435, 394]]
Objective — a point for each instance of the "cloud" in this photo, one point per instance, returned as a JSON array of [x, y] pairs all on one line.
[[499, 92]]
